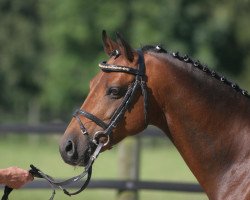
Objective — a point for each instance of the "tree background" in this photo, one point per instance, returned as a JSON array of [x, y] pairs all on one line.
[[49, 50]]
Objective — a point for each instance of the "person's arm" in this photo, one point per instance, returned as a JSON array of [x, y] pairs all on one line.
[[15, 177]]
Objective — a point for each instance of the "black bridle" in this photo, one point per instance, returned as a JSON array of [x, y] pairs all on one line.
[[138, 83]]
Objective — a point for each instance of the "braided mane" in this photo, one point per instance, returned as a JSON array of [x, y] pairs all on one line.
[[198, 65]]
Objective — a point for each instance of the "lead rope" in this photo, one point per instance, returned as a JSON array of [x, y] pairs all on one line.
[[56, 184]]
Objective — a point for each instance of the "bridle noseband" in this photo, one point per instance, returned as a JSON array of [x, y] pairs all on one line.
[[139, 82]]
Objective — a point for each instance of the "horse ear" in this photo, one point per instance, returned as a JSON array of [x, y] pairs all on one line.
[[124, 47], [108, 44]]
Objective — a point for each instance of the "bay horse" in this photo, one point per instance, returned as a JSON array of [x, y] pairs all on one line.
[[206, 116]]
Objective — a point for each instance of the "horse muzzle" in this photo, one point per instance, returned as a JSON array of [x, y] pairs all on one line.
[[76, 151]]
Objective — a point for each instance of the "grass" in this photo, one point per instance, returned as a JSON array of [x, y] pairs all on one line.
[[158, 162]]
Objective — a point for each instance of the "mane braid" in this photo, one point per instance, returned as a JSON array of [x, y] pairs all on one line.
[[152, 48], [198, 65]]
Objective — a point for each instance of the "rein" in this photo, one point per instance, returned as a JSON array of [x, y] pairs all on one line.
[[61, 184], [138, 83]]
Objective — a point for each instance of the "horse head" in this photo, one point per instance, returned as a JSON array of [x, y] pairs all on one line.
[[115, 107]]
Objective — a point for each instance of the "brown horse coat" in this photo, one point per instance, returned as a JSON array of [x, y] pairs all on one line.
[[206, 117]]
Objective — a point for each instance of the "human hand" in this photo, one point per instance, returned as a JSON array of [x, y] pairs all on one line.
[[16, 177]]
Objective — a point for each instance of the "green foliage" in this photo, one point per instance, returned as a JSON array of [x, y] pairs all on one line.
[[20, 50], [49, 50]]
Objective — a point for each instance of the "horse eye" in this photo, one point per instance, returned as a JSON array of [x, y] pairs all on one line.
[[115, 92]]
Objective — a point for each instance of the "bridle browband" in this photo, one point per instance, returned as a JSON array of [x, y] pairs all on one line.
[[139, 82]]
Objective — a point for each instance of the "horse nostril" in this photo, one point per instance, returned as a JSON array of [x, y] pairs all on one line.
[[70, 148]]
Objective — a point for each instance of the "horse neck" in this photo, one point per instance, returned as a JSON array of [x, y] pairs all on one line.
[[205, 119]]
